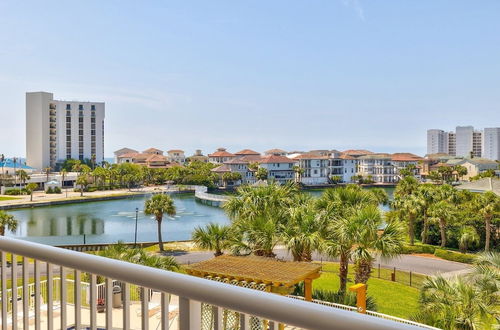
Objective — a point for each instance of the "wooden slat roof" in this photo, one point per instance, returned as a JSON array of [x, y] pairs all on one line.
[[256, 269]]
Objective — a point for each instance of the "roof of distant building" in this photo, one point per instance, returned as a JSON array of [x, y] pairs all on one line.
[[246, 152], [480, 161], [376, 156], [310, 155], [482, 185], [345, 156], [129, 155], [405, 157], [152, 150], [156, 158], [124, 150], [275, 159], [275, 151], [357, 152], [221, 152], [176, 150], [222, 168]]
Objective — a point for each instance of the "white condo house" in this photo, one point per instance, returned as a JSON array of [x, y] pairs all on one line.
[[57, 130]]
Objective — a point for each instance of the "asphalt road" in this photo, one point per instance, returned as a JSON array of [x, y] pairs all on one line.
[[417, 264]]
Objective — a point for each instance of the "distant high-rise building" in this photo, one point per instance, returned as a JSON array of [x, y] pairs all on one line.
[[57, 130], [437, 141], [452, 144], [491, 143], [465, 142]]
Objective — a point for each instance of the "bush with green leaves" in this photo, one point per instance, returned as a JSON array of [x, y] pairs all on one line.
[[347, 298], [455, 256]]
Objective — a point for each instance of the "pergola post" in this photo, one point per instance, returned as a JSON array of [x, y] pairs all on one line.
[[360, 290], [308, 289]]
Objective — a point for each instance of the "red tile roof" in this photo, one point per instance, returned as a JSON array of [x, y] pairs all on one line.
[[152, 150], [175, 150], [275, 159], [221, 169], [246, 152], [345, 156], [405, 157], [311, 156], [129, 155]]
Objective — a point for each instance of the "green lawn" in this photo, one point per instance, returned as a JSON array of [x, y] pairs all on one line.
[[7, 198], [392, 298]]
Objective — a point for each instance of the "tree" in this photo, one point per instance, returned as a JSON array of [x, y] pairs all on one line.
[[7, 221], [467, 236], [303, 232], [257, 214], [212, 237], [30, 188], [83, 181], [367, 240], [23, 176], [299, 171], [487, 205], [425, 195], [261, 174], [409, 208], [460, 171], [47, 173], [339, 206], [230, 177], [158, 205], [443, 212]]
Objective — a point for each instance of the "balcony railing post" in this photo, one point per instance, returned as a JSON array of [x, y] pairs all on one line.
[[26, 296], [64, 298], [93, 302], [13, 287], [109, 303], [4, 290], [38, 296], [165, 297], [78, 299], [189, 314], [50, 297]]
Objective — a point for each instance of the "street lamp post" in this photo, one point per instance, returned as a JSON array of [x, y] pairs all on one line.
[[136, 214]]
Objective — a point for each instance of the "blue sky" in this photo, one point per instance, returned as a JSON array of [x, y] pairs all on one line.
[[296, 75]]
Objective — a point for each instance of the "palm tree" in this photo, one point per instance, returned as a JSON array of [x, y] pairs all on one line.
[[299, 171], [47, 173], [23, 176], [138, 256], [213, 237], [339, 206], [460, 171], [261, 174], [303, 233], [487, 205], [409, 208], [7, 221], [158, 205], [456, 304], [31, 187], [368, 240], [83, 181], [467, 236], [425, 195], [443, 212]]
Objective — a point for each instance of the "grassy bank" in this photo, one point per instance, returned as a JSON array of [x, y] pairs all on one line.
[[7, 198], [392, 298]]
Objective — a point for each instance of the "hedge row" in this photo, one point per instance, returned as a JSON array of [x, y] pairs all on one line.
[[418, 248], [455, 256]]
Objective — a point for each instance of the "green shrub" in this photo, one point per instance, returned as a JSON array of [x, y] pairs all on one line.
[[57, 190], [418, 248], [49, 190], [13, 192], [455, 256], [349, 298], [91, 189]]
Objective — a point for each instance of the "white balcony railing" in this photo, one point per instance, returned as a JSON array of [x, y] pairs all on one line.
[[64, 298]]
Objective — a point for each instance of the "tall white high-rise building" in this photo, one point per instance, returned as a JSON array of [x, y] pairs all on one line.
[[437, 141], [491, 143], [464, 135], [57, 130]]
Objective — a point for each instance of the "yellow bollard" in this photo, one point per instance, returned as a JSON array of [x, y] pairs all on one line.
[[360, 290]]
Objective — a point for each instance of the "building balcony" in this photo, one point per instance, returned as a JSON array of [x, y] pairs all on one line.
[[132, 296]]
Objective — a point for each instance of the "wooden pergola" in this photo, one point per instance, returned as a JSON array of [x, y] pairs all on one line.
[[278, 276]]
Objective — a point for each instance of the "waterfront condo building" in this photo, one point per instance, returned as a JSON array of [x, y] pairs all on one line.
[[491, 143], [437, 141], [57, 130]]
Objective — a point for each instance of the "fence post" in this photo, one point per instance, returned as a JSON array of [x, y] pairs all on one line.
[[410, 277], [378, 270], [393, 275]]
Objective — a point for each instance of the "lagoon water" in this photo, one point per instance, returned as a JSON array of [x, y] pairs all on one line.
[[111, 221]]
